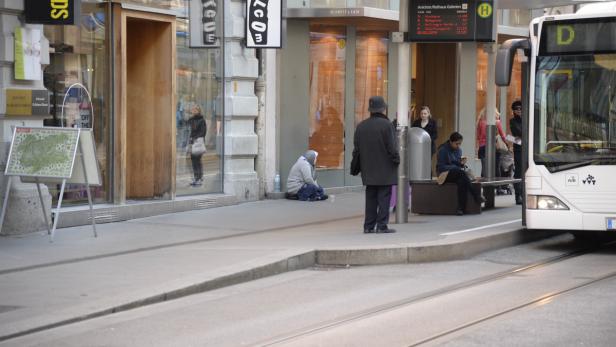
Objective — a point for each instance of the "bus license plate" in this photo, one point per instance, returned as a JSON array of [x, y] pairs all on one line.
[[611, 223]]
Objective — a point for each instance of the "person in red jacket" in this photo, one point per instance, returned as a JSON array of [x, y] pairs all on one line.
[[481, 139]]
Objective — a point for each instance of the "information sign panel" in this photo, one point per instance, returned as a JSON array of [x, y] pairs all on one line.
[[451, 21], [42, 152]]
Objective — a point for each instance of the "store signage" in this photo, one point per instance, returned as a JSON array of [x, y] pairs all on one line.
[[27, 102], [59, 12], [203, 15], [263, 23], [451, 21], [27, 54]]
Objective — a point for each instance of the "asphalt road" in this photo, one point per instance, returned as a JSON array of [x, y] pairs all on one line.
[[568, 300]]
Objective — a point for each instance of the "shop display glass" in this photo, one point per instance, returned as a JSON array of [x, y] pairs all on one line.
[[327, 87], [79, 54]]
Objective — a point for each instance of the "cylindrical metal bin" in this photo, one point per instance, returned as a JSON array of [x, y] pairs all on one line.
[[419, 155]]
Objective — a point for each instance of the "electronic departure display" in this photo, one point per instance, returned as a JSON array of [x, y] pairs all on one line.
[[451, 21], [596, 36]]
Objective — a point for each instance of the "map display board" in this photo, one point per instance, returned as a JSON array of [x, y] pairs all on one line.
[[42, 152], [451, 21]]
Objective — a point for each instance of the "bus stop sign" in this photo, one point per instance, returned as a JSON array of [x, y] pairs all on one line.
[[451, 21]]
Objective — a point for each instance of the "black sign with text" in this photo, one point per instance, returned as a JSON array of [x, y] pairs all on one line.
[[59, 12], [451, 21], [264, 23]]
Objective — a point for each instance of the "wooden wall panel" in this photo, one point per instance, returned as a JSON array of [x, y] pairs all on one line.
[[140, 108], [147, 105], [436, 85], [119, 111], [162, 93]]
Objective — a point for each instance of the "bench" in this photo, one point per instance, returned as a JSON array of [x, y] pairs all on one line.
[[429, 197], [489, 185]]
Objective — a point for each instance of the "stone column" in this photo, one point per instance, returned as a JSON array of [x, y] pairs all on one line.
[[24, 213], [467, 101], [241, 107]]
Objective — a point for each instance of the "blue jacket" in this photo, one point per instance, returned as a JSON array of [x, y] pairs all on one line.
[[448, 158]]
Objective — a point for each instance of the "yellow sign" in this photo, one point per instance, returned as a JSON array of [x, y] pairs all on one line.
[[484, 10], [18, 102], [564, 35]]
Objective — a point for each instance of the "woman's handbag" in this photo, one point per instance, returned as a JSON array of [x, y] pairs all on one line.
[[198, 146], [501, 145]]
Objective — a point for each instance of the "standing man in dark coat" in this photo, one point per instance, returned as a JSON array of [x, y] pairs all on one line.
[[377, 150], [515, 124]]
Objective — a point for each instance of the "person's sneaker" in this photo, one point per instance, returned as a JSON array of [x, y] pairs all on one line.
[[323, 197], [386, 231], [196, 183], [368, 231], [518, 201], [459, 212]]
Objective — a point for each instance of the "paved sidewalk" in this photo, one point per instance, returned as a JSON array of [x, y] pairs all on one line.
[[150, 260]]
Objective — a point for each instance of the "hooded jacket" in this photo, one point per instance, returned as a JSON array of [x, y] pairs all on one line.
[[302, 172]]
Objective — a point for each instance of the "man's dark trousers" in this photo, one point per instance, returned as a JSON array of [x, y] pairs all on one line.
[[517, 172], [459, 177], [377, 207]]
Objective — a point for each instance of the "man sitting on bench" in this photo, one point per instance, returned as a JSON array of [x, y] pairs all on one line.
[[450, 166]]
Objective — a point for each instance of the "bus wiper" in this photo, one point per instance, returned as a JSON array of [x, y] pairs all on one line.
[[568, 166]]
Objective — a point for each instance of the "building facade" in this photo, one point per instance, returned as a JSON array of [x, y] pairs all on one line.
[[127, 70], [337, 56]]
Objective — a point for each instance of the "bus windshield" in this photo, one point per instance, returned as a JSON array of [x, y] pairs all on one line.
[[575, 111]]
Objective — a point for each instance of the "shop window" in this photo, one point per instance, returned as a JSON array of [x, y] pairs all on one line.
[[327, 87], [370, 70], [78, 54], [197, 89]]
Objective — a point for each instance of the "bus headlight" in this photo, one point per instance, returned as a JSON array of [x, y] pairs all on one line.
[[544, 202]]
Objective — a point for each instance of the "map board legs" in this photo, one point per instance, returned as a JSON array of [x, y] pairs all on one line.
[[7, 191], [38, 187], [57, 216], [85, 175]]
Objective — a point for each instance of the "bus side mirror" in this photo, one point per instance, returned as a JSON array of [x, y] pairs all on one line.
[[504, 60]]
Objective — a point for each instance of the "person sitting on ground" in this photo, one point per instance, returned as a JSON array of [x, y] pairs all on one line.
[[450, 167], [301, 184]]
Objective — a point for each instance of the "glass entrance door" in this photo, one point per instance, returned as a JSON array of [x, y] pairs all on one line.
[[346, 68]]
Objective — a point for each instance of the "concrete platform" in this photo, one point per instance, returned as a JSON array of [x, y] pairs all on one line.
[[150, 260]]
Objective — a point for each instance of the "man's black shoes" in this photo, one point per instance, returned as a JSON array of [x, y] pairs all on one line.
[[385, 231], [379, 231], [460, 212]]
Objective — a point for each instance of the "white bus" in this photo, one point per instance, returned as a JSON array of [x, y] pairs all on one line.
[[570, 181]]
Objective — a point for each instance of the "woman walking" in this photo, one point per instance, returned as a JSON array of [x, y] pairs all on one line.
[[198, 129]]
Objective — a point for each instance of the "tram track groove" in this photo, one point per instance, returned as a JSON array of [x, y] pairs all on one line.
[[513, 309], [381, 309]]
